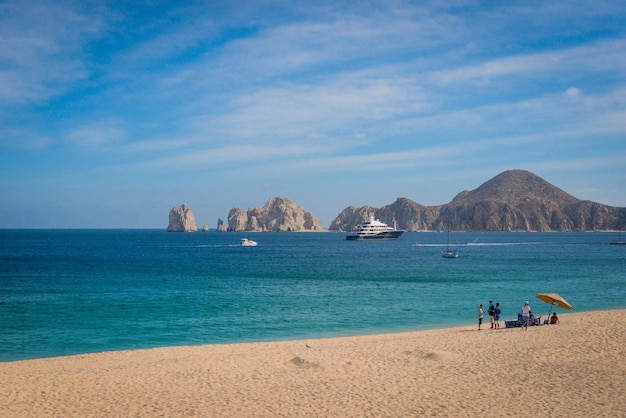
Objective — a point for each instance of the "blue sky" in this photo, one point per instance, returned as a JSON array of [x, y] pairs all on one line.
[[112, 113]]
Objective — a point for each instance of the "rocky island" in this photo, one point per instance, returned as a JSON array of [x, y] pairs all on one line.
[[182, 220], [279, 214]]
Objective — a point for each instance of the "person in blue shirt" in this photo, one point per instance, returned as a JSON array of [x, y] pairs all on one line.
[[496, 317]]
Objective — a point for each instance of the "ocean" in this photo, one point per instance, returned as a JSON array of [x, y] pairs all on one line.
[[65, 292]]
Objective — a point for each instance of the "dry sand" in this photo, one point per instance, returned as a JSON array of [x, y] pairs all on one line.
[[574, 369]]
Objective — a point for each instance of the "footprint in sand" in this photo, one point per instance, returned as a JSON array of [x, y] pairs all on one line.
[[436, 356]]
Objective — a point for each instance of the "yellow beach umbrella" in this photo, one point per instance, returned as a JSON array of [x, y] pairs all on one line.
[[553, 299]]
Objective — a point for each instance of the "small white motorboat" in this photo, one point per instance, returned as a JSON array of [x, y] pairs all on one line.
[[245, 242]]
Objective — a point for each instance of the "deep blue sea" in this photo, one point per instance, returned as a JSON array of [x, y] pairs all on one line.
[[67, 292]]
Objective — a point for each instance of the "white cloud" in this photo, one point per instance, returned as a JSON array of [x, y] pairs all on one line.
[[573, 92]]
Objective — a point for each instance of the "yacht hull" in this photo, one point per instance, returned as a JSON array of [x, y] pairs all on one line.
[[387, 235]]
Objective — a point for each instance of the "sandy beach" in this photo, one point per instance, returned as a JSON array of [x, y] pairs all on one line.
[[574, 369]]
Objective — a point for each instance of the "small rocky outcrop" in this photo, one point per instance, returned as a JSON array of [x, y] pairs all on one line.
[[182, 220], [220, 225], [205, 228], [279, 215]]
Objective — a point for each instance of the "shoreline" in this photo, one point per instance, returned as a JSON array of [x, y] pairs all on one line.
[[574, 368], [424, 328]]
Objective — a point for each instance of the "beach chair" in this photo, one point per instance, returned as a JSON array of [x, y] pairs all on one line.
[[534, 320], [515, 324]]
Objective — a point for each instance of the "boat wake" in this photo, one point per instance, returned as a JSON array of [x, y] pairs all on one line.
[[477, 244], [496, 244], [203, 246]]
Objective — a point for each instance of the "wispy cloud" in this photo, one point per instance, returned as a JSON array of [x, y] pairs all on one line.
[[341, 108], [42, 57], [98, 135], [605, 56], [195, 159]]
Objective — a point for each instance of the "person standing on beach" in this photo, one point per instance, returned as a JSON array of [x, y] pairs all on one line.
[[526, 312], [492, 314], [496, 317], [480, 316]]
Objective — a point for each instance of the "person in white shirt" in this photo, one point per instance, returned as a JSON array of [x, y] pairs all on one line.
[[526, 314]]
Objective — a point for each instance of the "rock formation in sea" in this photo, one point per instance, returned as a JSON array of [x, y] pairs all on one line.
[[515, 200], [205, 228], [182, 220], [220, 225], [279, 214]]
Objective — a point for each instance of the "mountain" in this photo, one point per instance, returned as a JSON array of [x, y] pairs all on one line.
[[279, 214], [516, 186], [515, 200]]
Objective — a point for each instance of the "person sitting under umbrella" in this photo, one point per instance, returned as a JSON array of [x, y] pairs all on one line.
[[554, 319]]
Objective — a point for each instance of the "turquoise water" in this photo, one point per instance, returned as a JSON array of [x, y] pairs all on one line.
[[79, 291]]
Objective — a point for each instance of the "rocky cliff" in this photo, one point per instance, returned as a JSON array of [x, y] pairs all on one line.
[[279, 214], [182, 220], [514, 200], [403, 213]]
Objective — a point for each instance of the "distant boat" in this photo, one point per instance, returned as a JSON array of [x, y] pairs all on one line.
[[448, 253], [619, 240], [373, 229], [245, 242]]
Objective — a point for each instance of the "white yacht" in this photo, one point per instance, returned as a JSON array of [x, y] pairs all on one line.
[[373, 229], [245, 242]]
